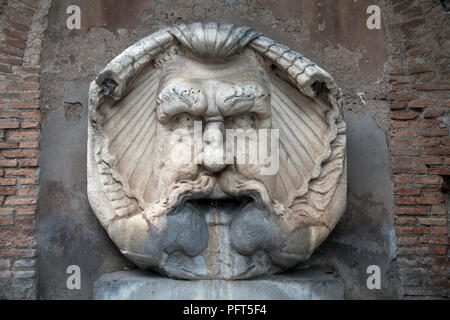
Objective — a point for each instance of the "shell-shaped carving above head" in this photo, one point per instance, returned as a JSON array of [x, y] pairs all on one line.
[[213, 39], [217, 77]]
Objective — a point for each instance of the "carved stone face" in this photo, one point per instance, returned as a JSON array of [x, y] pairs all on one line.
[[175, 168]]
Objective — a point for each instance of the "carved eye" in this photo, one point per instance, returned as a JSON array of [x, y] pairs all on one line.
[[244, 120], [183, 120]]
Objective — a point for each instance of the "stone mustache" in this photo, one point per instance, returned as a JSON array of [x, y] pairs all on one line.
[[208, 218]]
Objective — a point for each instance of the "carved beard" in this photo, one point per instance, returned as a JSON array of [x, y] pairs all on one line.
[[219, 227], [228, 184]]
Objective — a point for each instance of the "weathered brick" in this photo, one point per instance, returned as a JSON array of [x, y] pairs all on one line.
[[21, 154], [400, 143], [439, 250], [419, 69], [7, 191], [423, 123], [403, 180], [400, 161], [432, 86], [433, 221], [9, 114], [441, 171], [427, 160], [20, 201], [409, 170], [403, 96], [28, 181], [397, 105], [416, 52], [426, 142], [420, 251], [31, 115], [24, 135], [30, 95], [15, 34], [24, 105], [24, 263], [400, 124], [418, 104], [443, 150], [437, 261], [433, 113], [8, 95], [426, 191], [410, 211], [429, 180], [407, 191], [30, 125], [32, 3], [403, 115], [405, 220], [14, 43], [20, 172], [435, 132], [18, 17], [8, 253], [26, 222], [8, 145], [438, 210], [26, 211], [405, 241], [397, 87], [404, 133], [23, 87], [28, 70], [32, 79], [6, 61], [29, 163], [6, 211], [6, 222], [9, 124], [5, 264], [424, 200], [16, 52], [28, 144], [8, 182], [401, 201], [26, 192], [439, 231], [11, 24], [396, 71]]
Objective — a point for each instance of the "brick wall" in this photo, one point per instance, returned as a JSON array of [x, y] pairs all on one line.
[[19, 146], [419, 88]]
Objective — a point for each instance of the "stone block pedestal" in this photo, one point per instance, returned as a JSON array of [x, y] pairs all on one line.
[[310, 284]]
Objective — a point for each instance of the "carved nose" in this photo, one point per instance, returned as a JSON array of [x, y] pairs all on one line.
[[213, 146]]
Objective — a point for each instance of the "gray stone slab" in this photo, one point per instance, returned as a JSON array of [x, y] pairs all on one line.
[[311, 284]]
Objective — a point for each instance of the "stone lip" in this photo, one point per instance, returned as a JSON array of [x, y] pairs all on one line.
[[309, 284]]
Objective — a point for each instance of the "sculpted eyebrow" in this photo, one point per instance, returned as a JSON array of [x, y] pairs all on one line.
[[178, 97], [242, 94]]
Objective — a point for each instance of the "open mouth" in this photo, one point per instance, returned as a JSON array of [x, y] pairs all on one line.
[[218, 201], [220, 211]]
